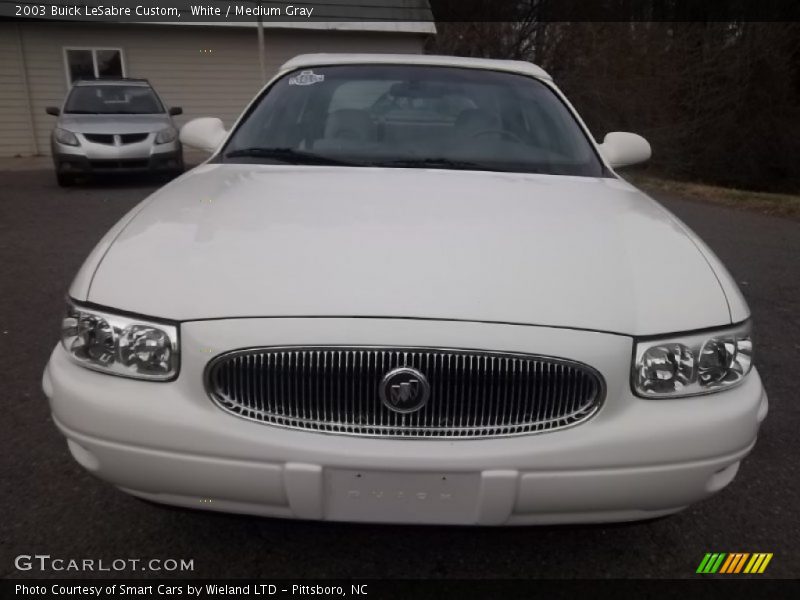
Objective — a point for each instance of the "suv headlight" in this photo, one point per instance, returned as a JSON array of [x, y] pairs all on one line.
[[692, 364], [65, 137], [118, 345], [165, 136]]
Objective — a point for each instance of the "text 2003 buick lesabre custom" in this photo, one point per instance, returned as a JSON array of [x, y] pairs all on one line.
[[408, 289]]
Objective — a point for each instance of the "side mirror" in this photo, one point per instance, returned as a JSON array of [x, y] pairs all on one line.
[[175, 110], [621, 149], [205, 133], [53, 110]]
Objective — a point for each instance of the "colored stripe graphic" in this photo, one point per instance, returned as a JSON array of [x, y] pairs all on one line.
[[741, 562], [758, 563], [734, 562], [703, 563], [711, 562], [727, 564]]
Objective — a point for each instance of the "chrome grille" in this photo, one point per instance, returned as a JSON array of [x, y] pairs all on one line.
[[472, 393]]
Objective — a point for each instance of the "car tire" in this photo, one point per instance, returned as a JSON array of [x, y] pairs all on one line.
[[65, 180]]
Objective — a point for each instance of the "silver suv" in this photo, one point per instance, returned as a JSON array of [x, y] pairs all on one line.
[[114, 125]]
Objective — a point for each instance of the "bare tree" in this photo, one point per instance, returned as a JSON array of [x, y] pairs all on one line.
[[720, 102]]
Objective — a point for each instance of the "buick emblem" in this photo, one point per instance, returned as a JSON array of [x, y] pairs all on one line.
[[404, 390]]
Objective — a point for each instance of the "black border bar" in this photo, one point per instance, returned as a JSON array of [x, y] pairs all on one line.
[[440, 11], [406, 589]]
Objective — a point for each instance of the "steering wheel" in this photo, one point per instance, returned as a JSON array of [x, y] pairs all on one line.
[[503, 133]]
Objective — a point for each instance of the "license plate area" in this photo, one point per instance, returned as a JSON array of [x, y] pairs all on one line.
[[401, 496]]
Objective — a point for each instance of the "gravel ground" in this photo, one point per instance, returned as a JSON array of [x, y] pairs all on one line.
[[51, 506]]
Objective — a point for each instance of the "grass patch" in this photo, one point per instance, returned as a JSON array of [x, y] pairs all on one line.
[[783, 205]]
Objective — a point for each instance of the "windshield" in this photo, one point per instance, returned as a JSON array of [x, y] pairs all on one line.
[[406, 116], [112, 100]]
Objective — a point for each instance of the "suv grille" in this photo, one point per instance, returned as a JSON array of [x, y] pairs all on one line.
[[130, 138], [108, 138], [100, 138], [337, 390]]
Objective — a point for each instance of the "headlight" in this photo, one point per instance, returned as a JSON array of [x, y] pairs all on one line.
[[120, 345], [688, 365], [165, 136], [65, 137]]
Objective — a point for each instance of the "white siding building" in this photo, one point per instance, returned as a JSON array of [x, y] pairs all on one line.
[[209, 70]]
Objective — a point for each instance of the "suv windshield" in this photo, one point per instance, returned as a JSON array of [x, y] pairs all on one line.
[[112, 100], [407, 116]]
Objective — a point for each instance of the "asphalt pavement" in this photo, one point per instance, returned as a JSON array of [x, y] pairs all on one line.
[[52, 506]]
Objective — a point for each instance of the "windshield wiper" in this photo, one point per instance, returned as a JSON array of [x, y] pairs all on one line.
[[81, 112], [436, 163], [288, 155]]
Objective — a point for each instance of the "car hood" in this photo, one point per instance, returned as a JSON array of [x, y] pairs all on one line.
[[114, 123], [262, 240]]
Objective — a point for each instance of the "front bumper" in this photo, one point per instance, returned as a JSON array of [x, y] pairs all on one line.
[[90, 157], [635, 459]]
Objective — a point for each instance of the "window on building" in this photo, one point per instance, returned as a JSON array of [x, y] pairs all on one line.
[[87, 63]]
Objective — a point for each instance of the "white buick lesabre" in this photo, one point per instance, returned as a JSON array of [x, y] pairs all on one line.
[[408, 289]]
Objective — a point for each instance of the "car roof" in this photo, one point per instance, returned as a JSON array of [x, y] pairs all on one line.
[[511, 66], [113, 81]]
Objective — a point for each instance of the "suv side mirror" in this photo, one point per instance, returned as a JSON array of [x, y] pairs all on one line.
[[175, 110], [53, 110], [205, 133], [621, 149]]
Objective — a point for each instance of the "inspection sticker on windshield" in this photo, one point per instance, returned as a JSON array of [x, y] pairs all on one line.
[[306, 78]]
